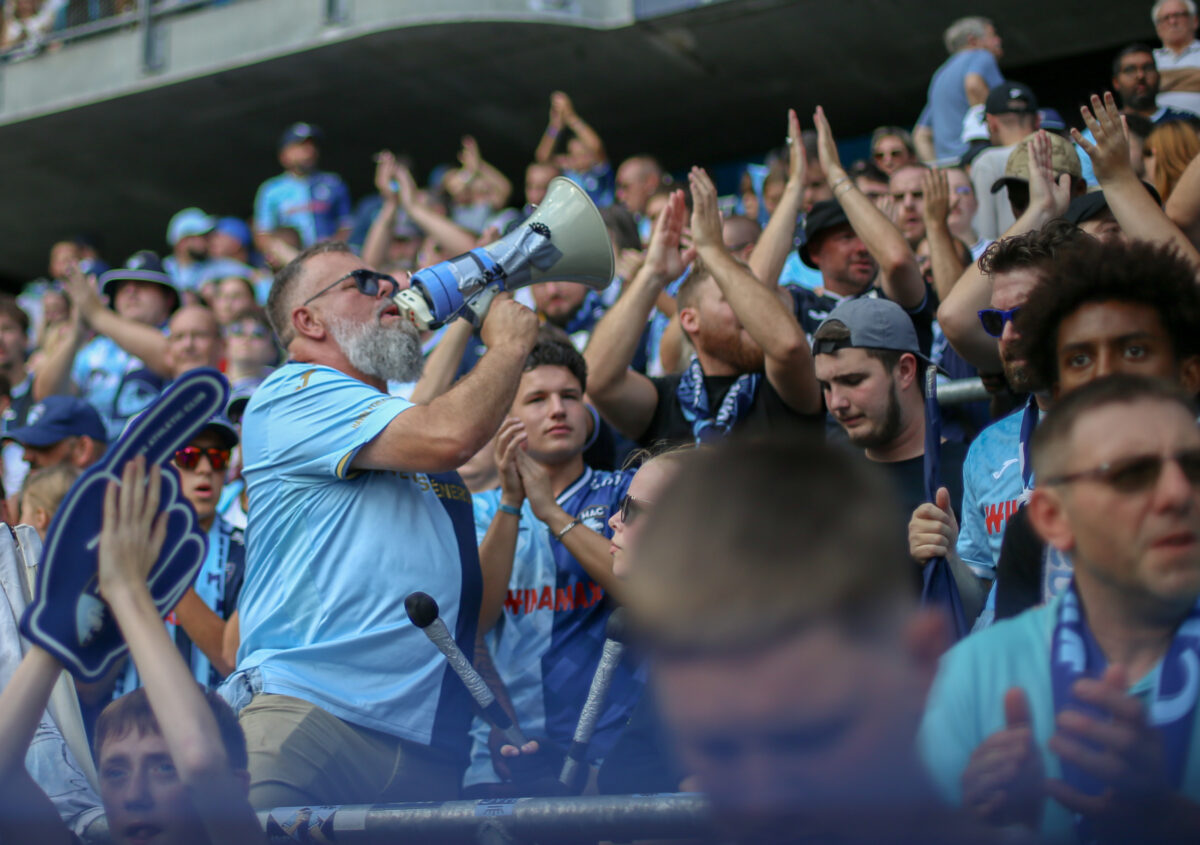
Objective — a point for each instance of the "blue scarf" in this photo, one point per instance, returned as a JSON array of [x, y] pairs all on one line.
[[938, 585], [1075, 654], [1029, 421], [693, 402]]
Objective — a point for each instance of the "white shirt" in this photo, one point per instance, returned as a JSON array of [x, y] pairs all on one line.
[[1180, 73]]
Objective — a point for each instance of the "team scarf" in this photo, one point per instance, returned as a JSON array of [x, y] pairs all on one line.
[[693, 402], [1029, 421], [938, 587], [1171, 710]]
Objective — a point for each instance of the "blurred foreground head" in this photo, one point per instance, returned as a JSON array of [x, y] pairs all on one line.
[[789, 659]]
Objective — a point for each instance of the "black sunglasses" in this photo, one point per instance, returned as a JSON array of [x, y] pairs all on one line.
[[631, 509], [1137, 474], [367, 282], [993, 319], [189, 457]]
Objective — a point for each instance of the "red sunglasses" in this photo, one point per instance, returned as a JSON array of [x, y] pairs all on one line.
[[189, 457]]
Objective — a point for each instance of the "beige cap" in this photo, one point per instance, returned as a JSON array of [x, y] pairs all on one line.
[[1063, 159]]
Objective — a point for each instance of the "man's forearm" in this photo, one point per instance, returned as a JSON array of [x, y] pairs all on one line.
[[1183, 205], [1141, 218], [755, 305], [615, 339], [451, 237], [923, 141], [442, 363], [496, 551], [379, 236], [138, 339], [53, 374], [943, 258], [777, 240], [901, 277]]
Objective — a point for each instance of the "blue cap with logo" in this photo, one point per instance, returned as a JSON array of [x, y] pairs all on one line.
[[298, 132], [56, 418], [142, 266]]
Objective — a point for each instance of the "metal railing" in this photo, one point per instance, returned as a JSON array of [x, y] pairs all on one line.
[[57, 23], [615, 818]]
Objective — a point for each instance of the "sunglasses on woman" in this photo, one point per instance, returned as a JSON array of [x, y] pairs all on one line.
[[189, 457], [631, 509]]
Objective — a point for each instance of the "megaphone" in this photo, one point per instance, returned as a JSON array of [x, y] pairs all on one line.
[[564, 240]]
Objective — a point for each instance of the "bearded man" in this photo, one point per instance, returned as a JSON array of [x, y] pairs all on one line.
[[354, 504]]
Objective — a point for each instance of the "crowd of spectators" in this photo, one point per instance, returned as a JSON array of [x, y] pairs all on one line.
[[727, 440]]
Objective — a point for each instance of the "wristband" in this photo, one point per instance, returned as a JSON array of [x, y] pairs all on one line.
[[509, 509], [566, 528], [839, 193], [833, 186]]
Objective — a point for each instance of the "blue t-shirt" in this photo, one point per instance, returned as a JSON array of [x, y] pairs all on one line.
[[992, 488], [966, 706], [947, 104], [599, 182], [316, 205], [332, 552], [114, 382], [547, 643]]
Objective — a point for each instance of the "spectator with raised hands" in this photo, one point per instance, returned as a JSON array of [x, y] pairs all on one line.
[[1050, 192], [477, 182], [1140, 217], [396, 185], [172, 760], [585, 162], [752, 367]]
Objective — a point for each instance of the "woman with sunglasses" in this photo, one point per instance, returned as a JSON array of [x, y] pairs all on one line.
[[250, 350], [647, 485]]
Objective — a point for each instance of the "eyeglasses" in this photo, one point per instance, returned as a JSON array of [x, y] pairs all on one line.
[[189, 457], [631, 509], [256, 331], [994, 320], [1136, 474], [1174, 16], [367, 282]]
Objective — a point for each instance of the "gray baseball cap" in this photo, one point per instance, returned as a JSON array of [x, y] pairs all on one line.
[[874, 323]]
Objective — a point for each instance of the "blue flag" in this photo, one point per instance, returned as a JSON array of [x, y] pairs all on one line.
[[938, 587]]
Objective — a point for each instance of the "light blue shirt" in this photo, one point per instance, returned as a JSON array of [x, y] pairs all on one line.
[[114, 382], [332, 552], [966, 706], [992, 490], [947, 104], [317, 205]]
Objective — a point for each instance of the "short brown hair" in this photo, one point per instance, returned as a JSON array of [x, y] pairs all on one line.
[[718, 572], [279, 300], [1036, 250], [10, 309], [132, 711]]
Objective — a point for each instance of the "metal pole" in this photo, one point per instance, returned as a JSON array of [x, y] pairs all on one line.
[[618, 818], [152, 57], [960, 391]]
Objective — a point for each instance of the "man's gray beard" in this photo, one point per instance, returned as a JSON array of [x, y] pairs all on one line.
[[379, 351]]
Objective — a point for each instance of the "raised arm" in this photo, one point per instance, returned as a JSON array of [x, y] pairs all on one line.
[[554, 126], [205, 629], [130, 542], [958, 314], [499, 544], [625, 398], [454, 239], [777, 240], [475, 168], [26, 813], [138, 339], [1183, 206], [944, 258], [444, 434], [900, 277], [53, 374], [379, 236], [1140, 216], [442, 363], [585, 133], [761, 310]]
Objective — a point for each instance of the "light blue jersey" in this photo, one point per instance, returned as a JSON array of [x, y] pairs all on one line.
[[331, 553], [317, 205], [114, 382], [992, 488], [547, 644], [966, 706]]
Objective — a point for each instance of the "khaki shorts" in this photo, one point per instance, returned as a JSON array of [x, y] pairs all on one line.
[[300, 755]]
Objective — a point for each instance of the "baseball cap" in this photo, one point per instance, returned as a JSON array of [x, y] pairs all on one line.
[[235, 228], [142, 266], [1063, 159], [874, 323], [189, 222], [239, 397], [1086, 207], [824, 215], [56, 418], [220, 425], [298, 132], [1051, 120], [1011, 98]]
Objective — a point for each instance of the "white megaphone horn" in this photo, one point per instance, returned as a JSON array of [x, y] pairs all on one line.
[[564, 240]]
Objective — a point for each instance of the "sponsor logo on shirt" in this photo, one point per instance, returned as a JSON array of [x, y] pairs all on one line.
[[995, 516], [577, 597]]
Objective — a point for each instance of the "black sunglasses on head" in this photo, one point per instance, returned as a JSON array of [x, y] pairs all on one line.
[[367, 282]]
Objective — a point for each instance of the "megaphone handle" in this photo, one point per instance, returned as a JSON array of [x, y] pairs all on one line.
[[476, 308]]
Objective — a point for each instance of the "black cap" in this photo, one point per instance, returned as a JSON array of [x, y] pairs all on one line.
[[142, 266], [1011, 98], [1086, 207], [824, 215], [300, 132]]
